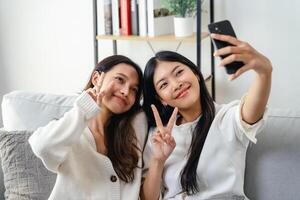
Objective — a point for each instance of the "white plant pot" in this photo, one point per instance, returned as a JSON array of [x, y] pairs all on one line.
[[183, 27]]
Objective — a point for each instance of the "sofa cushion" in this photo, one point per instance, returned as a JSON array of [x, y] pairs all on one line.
[[23, 110], [25, 176], [273, 164]]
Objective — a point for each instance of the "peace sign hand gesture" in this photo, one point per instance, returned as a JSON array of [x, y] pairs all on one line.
[[99, 90], [96, 93], [162, 140]]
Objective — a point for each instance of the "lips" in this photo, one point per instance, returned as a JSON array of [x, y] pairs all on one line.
[[182, 93], [121, 99]]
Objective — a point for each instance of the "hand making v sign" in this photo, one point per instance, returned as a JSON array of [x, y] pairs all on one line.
[[96, 93], [162, 140], [99, 90]]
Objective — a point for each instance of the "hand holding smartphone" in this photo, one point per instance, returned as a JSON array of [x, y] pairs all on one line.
[[224, 28]]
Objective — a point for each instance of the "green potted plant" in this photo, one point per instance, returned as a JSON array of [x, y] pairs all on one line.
[[183, 10]]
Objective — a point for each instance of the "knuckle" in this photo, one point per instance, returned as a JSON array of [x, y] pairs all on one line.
[[246, 44], [230, 49], [233, 57], [247, 48]]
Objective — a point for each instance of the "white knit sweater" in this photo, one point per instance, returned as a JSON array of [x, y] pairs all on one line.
[[67, 147]]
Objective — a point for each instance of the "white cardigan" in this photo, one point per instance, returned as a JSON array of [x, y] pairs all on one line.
[[67, 147]]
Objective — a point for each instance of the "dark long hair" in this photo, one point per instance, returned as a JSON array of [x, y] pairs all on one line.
[[120, 138], [189, 173]]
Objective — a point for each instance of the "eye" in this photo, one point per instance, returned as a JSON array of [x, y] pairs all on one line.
[[119, 79], [163, 85], [179, 72]]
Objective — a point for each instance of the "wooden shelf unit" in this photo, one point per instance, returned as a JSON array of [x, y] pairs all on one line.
[[196, 39], [162, 38]]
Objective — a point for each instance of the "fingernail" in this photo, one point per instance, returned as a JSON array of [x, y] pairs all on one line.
[[213, 35]]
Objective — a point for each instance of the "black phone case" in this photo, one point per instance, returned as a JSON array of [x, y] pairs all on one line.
[[224, 28]]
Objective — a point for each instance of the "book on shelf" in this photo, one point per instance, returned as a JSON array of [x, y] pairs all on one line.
[[100, 18], [104, 17], [134, 17], [115, 7], [159, 20], [125, 14], [142, 14], [107, 17]]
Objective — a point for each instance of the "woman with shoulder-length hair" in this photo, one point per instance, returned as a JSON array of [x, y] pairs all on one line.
[[95, 148], [199, 153]]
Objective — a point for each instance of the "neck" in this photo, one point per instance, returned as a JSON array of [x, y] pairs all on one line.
[[190, 114]]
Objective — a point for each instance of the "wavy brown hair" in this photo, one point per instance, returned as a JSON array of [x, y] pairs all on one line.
[[120, 137]]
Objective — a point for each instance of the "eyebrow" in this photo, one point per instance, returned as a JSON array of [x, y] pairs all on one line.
[[123, 75], [160, 80]]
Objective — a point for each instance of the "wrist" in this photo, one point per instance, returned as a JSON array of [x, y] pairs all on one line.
[[266, 71], [266, 74], [269, 68], [157, 163], [87, 105]]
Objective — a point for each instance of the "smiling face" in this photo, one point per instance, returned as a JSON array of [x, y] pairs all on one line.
[[121, 86], [176, 85]]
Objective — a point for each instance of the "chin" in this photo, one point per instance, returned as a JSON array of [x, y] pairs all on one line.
[[118, 109], [187, 103]]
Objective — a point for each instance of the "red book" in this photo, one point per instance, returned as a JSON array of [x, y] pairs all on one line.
[[125, 17]]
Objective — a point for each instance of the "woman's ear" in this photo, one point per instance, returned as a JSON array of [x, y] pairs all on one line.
[[95, 77]]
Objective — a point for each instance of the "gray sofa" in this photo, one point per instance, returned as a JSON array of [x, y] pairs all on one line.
[[272, 165]]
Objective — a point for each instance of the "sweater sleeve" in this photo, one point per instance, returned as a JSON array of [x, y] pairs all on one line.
[[52, 142], [250, 131], [229, 119]]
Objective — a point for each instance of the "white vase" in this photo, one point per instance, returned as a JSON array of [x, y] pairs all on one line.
[[183, 27]]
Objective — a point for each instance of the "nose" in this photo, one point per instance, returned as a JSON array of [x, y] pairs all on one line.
[[176, 84], [124, 91]]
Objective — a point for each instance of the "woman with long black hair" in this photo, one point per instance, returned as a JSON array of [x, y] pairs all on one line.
[[200, 152]]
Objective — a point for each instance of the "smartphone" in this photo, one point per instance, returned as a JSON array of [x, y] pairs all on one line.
[[224, 28]]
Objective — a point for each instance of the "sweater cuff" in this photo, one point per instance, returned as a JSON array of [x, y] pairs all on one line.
[[87, 105], [250, 130]]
